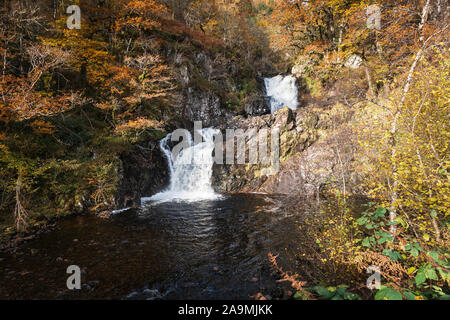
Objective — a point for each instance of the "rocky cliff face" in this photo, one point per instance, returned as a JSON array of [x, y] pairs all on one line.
[[143, 172], [214, 89], [211, 89], [316, 152]]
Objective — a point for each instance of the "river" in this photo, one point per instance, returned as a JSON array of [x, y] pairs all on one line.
[[172, 250]]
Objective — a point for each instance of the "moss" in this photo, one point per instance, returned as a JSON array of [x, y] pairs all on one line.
[[314, 86], [289, 142]]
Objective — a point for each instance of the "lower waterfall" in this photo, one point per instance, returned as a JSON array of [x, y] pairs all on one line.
[[190, 171]]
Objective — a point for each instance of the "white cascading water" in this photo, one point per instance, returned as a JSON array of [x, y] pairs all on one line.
[[282, 92], [190, 172]]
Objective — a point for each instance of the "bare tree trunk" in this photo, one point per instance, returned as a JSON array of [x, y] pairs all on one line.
[[341, 31], [394, 194], [369, 81], [20, 213], [433, 219], [4, 71], [425, 10]]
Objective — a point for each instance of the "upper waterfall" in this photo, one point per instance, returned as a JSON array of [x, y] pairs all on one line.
[[282, 91], [190, 171]]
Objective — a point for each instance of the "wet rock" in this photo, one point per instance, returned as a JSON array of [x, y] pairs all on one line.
[[316, 150], [310, 171], [353, 62], [256, 105], [283, 119], [189, 284], [143, 172], [203, 105], [277, 293], [185, 78], [105, 214], [91, 285]]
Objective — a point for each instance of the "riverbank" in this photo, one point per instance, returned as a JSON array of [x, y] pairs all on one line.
[[11, 241]]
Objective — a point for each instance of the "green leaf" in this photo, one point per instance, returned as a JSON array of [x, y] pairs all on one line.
[[434, 255], [444, 274], [341, 291], [384, 236], [409, 295], [420, 278], [366, 243], [431, 274], [380, 212], [300, 296], [402, 222], [388, 294], [433, 213], [323, 292], [351, 296], [394, 255], [362, 220]]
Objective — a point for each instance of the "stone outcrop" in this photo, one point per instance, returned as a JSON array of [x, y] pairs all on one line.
[[205, 80], [316, 152], [143, 172], [315, 147], [207, 85], [256, 105]]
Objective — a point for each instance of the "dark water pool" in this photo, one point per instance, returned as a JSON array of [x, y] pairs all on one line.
[[202, 250]]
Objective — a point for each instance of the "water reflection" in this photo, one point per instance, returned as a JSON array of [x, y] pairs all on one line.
[[172, 250]]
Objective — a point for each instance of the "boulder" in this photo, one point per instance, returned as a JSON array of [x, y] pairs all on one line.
[[284, 119], [301, 66], [143, 172], [353, 62], [310, 171], [256, 105]]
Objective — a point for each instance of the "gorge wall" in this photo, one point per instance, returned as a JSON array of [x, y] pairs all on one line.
[[316, 153]]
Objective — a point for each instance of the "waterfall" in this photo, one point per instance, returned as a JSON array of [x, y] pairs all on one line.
[[282, 92], [190, 171]]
